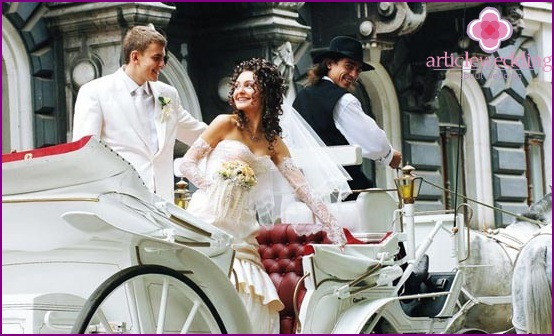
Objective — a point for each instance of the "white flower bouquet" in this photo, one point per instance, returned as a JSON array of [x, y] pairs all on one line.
[[239, 173]]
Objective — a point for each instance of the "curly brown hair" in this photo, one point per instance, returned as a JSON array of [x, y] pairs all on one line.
[[271, 86]]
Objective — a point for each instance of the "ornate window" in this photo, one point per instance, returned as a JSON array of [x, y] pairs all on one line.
[[451, 140], [534, 151]]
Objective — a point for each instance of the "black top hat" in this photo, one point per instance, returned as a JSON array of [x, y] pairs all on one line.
[[342, 46]]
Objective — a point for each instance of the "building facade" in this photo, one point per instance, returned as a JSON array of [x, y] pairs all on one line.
[[482, 129]]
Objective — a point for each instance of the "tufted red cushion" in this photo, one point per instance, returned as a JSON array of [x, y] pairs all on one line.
[[281, 250]]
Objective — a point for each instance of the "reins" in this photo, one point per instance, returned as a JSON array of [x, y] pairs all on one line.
[[518, 216]]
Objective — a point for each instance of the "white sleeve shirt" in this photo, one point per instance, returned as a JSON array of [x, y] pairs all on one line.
[[360, 129]]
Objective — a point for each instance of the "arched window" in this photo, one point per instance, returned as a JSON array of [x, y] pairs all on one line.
[[534, 151], [17, 110], [6, 135], [451, 142]]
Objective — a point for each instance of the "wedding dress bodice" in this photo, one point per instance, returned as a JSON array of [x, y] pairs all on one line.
[[228, 150], [218, 202], [231, 207]]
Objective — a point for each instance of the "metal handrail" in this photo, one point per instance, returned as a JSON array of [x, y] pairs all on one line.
[[294, 297]]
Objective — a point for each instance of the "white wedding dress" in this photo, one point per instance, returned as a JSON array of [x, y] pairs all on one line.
[[255, 286], [234, 210]]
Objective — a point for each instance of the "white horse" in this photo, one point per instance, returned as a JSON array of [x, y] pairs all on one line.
[[489, 269], [532, 286]]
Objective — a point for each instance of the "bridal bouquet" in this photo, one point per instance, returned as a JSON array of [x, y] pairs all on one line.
[[239, 173]]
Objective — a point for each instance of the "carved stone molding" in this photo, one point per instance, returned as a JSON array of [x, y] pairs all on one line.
[[253, 23], [381, 23], [101, 16]]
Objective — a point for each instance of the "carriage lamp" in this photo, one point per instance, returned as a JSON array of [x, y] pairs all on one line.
[[182, 194], [408, 187]]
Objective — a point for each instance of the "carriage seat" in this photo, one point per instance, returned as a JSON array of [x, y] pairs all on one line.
[[281, 251], [372, 212]]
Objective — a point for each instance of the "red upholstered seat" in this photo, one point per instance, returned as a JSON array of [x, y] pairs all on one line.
[[281, 250]]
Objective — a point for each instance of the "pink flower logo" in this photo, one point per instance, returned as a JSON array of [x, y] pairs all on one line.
[[489, 30]]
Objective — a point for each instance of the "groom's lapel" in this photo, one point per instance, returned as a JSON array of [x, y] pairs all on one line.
[[161, 127], [127, 105]]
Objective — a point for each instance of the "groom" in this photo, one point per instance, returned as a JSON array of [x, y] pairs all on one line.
[[135, 114]]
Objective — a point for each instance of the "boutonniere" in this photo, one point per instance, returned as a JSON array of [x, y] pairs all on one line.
[[166, 107]]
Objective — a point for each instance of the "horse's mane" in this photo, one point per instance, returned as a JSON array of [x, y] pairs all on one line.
[[540, 209], [534, 216]]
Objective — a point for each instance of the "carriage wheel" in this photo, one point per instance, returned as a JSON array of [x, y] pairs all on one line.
[[382, 327], [148, 299], [471, 331]]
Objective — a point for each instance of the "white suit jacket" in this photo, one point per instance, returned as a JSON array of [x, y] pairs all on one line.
[[105, 108]]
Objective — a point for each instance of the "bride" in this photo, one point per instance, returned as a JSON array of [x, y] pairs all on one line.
[[242, 153]]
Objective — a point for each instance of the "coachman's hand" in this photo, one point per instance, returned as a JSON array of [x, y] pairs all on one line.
[[396, 159]]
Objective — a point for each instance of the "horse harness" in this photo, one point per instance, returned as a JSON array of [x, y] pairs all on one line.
[[545, 230], [510, 244]]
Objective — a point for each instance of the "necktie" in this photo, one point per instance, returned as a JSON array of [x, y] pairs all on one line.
[[144, 105]]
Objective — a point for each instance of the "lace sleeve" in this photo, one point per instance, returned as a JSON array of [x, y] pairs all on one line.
[[302, 190], [189, 166]]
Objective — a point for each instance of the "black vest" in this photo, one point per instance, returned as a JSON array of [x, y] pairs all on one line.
[[315, 104]]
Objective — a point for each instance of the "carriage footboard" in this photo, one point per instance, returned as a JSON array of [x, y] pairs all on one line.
[[435, 306]]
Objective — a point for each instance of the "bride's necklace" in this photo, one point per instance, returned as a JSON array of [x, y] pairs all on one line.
[[251, 136]]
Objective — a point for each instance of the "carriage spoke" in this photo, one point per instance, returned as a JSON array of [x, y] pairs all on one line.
[[163, 307], [131, 290], [103, 323], [190, 318]]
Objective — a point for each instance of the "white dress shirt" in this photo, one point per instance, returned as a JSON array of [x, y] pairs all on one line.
[[144, 103], [360, 129]]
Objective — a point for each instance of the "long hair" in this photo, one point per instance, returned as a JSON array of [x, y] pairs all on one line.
[[271, 87], [320, 69]]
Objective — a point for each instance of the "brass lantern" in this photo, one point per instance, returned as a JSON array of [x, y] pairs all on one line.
[[182, 194], [408, 185]]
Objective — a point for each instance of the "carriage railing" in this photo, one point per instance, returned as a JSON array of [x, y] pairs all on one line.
[[381, 255], [440, 223]]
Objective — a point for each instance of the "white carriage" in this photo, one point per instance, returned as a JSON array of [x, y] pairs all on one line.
[[86, 248]]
